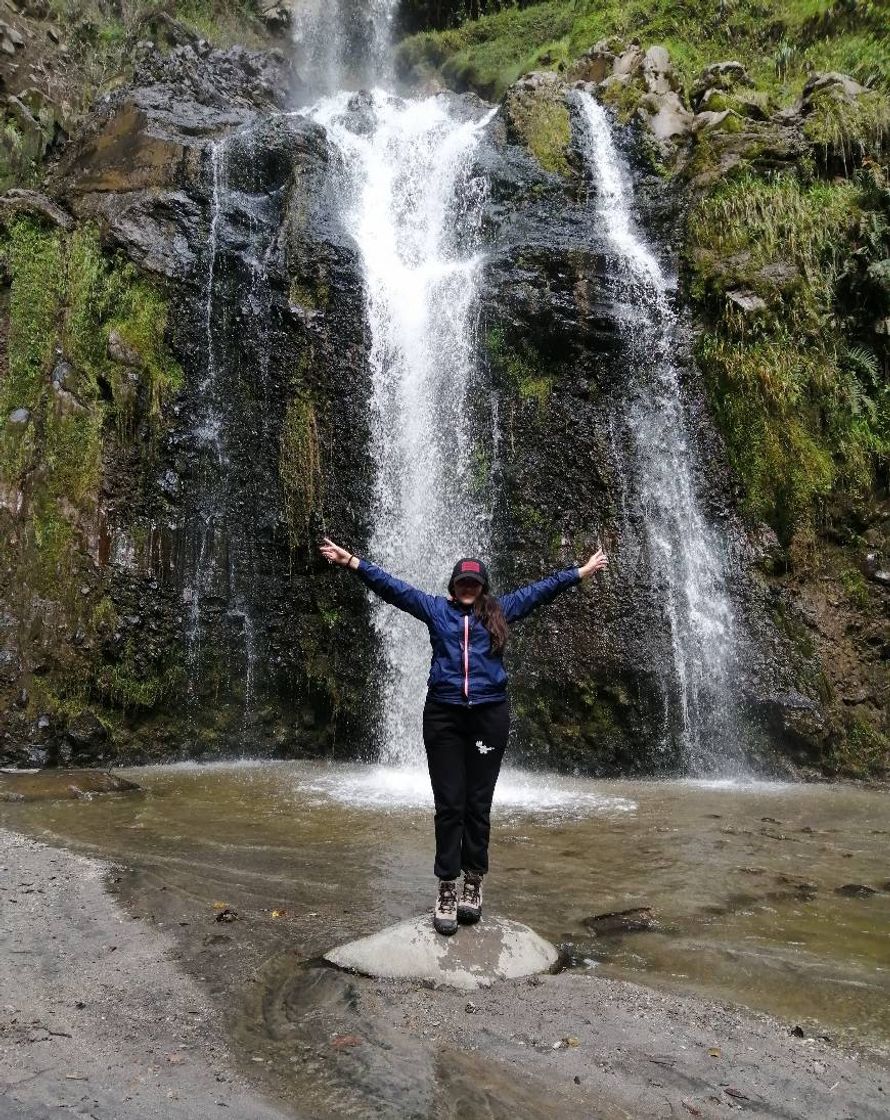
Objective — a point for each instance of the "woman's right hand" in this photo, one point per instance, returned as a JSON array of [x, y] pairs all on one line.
[[334, 552]]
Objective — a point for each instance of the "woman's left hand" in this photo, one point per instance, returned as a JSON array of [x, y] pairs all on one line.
[[596, 563]]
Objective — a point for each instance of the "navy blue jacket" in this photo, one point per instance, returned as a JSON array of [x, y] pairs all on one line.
[[463, 670]]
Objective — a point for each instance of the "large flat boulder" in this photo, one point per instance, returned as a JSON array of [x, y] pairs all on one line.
[[474, 957]]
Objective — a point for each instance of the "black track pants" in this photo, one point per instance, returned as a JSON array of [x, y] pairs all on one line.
[[464, 748]]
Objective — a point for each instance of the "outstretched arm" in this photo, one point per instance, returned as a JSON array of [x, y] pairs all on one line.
[[520, 603], [390, 589]]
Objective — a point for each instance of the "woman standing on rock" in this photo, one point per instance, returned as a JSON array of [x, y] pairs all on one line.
[[467, 714]]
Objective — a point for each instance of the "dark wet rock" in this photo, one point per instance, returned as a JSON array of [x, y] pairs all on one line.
[[86, 730], [636, 920], [855, 890]]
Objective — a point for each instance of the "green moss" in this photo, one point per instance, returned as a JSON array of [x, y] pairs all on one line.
[[34, 259], [540, 119], [802, 416], [313, 296], [300, 468], [522, 371], [846, 131], [856, 588], [131, 686], [859, 750]]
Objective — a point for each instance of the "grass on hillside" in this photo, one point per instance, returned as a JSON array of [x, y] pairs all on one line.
[[780, 43], [799, 388]]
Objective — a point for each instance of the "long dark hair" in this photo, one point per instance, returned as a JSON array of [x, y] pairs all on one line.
[[489, 610]]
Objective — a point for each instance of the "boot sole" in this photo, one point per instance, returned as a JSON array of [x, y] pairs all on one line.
[[468, 917], [446, 931]]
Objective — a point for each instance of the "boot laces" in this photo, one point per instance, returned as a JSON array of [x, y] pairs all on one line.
[[447, 896], [472, 889]]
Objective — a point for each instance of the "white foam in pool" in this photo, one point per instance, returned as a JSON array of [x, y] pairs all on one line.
[[408, 787]]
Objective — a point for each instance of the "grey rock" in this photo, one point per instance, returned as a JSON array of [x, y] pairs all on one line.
[[20, 201], [19, 416], [746, 301], [838, 85], [720, 75], [121, 351], [474, 957], [659, 75], [86, 730], [666, 116]]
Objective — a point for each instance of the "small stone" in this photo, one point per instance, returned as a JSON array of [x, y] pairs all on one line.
[[746, 300], [855, 890], [471, 1008], [19, 416]]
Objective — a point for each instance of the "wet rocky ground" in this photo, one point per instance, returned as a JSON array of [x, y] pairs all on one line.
[[174, 976]]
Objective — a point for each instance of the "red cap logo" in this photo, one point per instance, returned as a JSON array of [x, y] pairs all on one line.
[[469, 566]]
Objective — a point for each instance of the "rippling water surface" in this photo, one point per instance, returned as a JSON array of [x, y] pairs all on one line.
[[742, 878]]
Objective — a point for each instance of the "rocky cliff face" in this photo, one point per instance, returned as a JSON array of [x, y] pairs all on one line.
[[187, 406]]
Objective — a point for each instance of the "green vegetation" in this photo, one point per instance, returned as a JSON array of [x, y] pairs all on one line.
[[101, 44], [847, 131], [300, 468], [780, 43], [130, 684], [65, 299], [796, 377], [541, 121], [522, 371], [859, 751]]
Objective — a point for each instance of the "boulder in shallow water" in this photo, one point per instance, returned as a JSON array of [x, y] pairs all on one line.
[[53, 784], [495, 949]]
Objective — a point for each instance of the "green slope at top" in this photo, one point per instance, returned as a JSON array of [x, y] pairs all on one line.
[[780, 43]]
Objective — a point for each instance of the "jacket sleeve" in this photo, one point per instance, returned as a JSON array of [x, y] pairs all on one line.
[[520, 603], [396, 591]]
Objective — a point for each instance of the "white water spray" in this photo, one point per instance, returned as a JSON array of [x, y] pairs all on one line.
[[686, 555]]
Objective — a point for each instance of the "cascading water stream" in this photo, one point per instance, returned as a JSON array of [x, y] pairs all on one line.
[[686, 554], [342, 44], [415, 204], [221, 549]]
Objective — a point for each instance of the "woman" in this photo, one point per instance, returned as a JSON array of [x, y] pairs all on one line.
[[467, 715]]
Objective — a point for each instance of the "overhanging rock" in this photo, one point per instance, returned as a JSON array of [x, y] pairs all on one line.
[[474, 957]]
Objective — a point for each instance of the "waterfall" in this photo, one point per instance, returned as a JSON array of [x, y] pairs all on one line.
[[228, 421], [343, 44], [414, 209], [687, 558]]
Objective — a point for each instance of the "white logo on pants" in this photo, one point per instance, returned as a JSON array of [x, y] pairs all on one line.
[[482, 748]]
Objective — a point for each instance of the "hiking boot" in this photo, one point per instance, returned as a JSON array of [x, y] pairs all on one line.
[[469, 909], [445, 913]]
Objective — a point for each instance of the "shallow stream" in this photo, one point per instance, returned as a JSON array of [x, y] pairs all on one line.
[[751, 885]]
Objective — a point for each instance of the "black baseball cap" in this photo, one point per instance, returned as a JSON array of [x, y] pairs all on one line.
[[469, 568]]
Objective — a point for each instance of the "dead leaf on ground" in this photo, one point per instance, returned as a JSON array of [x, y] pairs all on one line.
[[341, 1041]]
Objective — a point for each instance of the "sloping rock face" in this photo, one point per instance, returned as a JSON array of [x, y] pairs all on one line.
[[221, 634], [214, 629]]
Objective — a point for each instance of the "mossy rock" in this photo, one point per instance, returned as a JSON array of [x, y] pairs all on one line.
[[538, 117]]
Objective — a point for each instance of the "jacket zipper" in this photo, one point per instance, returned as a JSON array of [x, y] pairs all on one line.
[[467, 656]]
